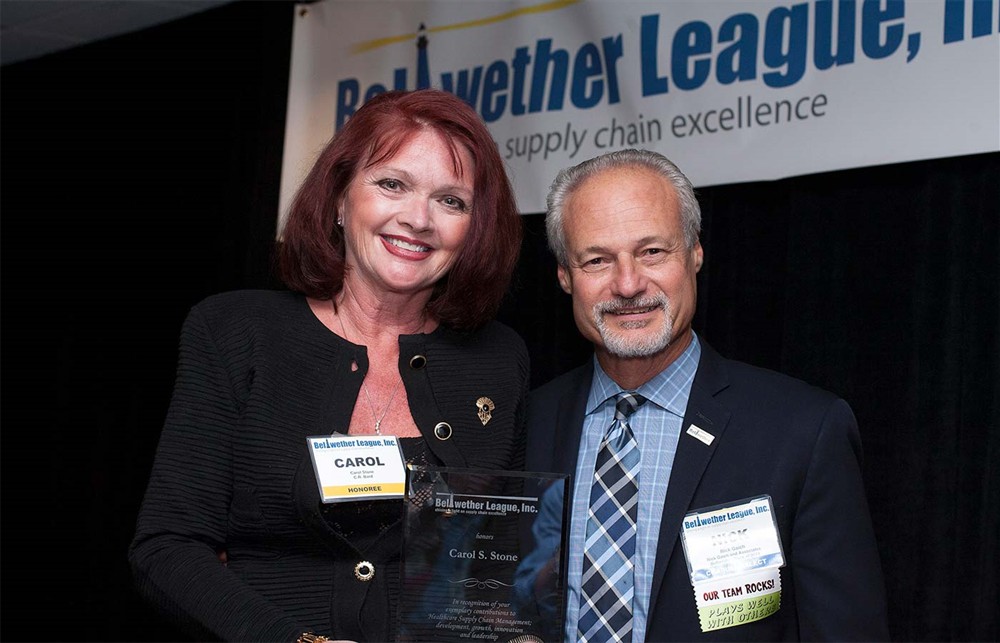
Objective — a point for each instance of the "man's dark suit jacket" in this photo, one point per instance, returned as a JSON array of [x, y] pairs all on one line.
[[774, 435]]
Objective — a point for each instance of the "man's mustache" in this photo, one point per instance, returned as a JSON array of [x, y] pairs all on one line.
[[620, 303]]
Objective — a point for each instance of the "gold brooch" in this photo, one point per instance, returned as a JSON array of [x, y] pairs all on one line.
[[485, 406]]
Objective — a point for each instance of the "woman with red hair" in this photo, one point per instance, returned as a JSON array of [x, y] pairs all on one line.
[[397, 251]]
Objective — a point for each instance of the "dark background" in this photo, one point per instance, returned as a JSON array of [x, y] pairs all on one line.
[[141, 174]]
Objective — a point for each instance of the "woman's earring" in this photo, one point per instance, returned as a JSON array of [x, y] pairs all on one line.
[[340, 221]]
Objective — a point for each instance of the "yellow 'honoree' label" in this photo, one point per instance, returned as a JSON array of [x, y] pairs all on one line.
[[392, 489]]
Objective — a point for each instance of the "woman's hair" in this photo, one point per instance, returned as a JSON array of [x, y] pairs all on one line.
[[571, 178], [310, 256]]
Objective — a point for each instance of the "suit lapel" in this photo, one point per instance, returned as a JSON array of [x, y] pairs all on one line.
[[569, 420], [692, 457]]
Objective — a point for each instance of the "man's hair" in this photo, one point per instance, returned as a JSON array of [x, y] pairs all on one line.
[[569, 179]]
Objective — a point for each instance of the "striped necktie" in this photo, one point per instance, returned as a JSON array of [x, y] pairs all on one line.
[[607, 584]]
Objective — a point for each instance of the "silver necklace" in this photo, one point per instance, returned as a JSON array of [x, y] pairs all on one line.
[[371, 407], [368, 396]]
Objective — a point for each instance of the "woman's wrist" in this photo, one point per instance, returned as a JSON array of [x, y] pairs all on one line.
[[309, 637]]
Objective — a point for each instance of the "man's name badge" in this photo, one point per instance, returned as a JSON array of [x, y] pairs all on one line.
[[734, 554], [352, 467]]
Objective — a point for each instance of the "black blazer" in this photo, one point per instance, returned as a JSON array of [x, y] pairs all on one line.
[[257, 373], [773, 435]]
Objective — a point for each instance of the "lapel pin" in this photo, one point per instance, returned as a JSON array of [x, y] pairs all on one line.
[[485, 406], [700, 434]]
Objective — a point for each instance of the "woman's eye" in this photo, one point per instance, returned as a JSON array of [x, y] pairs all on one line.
[[454, 202], [389, 184]]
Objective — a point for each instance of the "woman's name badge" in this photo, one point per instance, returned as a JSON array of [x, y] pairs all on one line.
[[734, 554], [350, 467]]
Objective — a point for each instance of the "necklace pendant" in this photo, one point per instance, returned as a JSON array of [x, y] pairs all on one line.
[[378, 423]]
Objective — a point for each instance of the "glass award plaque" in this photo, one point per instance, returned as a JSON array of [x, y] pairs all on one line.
[[483, 556]]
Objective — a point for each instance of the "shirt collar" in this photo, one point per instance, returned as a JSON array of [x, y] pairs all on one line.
[[669, 389]]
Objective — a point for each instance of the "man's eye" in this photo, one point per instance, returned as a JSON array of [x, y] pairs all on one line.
[[596, 264]]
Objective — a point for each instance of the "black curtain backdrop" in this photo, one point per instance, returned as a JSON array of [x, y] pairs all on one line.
[[140, 175]]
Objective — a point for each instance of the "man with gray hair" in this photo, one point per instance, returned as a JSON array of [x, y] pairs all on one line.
[[711, 500]]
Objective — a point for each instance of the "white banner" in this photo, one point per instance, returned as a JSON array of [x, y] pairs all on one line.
[[730, 90]]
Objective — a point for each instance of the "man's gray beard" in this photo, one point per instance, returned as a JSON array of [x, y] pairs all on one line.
[[622, 345]]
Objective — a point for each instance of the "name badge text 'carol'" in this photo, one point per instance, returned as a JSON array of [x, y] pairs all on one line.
[[349, 468]]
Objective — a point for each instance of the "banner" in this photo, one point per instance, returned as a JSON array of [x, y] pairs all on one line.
[[731, 91]]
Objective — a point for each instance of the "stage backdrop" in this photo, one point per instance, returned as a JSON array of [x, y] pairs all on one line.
[[731, 91]]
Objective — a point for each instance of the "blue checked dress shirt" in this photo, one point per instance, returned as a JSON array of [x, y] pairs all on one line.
[[657, 428]]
